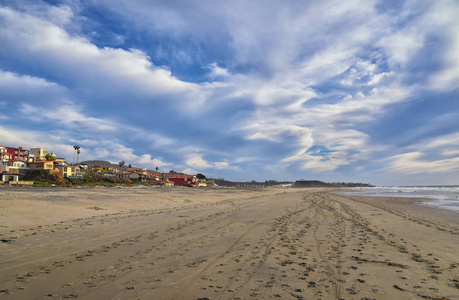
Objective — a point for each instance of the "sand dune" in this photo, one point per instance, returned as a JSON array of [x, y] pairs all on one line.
[[181, 243]]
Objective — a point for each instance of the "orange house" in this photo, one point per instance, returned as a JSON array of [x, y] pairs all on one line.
[[41, 165]]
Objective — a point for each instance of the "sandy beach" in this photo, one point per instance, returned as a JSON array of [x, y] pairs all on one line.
[[183, 243]]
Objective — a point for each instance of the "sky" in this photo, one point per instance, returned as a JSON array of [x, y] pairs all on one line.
[[354, 91]]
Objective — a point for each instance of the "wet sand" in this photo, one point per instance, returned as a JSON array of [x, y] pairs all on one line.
[[182, 243]]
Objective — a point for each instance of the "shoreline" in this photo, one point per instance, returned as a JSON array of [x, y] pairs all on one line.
[[429, 200], [223, 243]]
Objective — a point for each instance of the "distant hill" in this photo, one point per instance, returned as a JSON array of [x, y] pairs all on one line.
[[252, 184], [318, 183], [103, 163], [297, 184]]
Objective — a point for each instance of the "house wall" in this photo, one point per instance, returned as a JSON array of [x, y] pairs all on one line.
[[14, 167], [39, 153], [134, 176], [43, 165], [66, 171], [18, 153], [10, 177], [109, 170]]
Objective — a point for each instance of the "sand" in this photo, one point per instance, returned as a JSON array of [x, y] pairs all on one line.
[[183, 243]]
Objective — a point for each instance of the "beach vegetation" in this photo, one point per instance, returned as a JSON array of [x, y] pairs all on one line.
[[50, 157], [41, 183], [51, 177]]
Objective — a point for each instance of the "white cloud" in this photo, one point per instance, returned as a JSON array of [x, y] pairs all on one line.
[[109, 150], [216, 71], [70, 116], [15, 82], [413, 163], [339, 145], [445, 13], [75, 58], [444, 140], [33, 139], [401, 46], [435, 155], [196, 161], [450, 152], [378, 77]]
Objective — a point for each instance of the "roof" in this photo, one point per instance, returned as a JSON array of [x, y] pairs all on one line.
[[175, 175]]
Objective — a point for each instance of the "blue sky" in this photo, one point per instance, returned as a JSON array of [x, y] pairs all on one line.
[[363, 91]]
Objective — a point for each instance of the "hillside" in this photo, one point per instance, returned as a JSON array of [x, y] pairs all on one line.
[[103, 163]]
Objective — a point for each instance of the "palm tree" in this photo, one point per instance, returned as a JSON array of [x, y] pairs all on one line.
[[78, 153], [75, 147], [121, 163]]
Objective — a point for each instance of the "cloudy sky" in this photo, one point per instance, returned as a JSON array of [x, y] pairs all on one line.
[[363, 91]]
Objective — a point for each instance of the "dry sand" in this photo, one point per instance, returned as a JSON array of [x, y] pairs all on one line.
[[181, 243]]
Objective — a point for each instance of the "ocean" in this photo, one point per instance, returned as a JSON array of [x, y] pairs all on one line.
[[444, 197]]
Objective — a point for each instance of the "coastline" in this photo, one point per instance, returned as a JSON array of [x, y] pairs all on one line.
[[444, 197], [417, 205], [223, 244]]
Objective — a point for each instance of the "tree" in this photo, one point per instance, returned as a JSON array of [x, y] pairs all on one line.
[[157, 169], [78, 154], [49, 157], [121, 163], [130, 166], [200, 176], [75, 147]]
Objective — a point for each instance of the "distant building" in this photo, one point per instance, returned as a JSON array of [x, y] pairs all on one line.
[[106, 169], [142, 171], [13, 170], [67, 171], [177, 178], [10, 153], [39, 153], [130, 175], [109, 170], [41, 165]]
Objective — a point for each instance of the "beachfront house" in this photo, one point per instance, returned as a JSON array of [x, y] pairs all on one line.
[[177, 178], [38, 153], [130, 175], [11, 153], [4, 154], [67, 171], [45, 165], [108, 170], [142, 171], [13, 170]]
